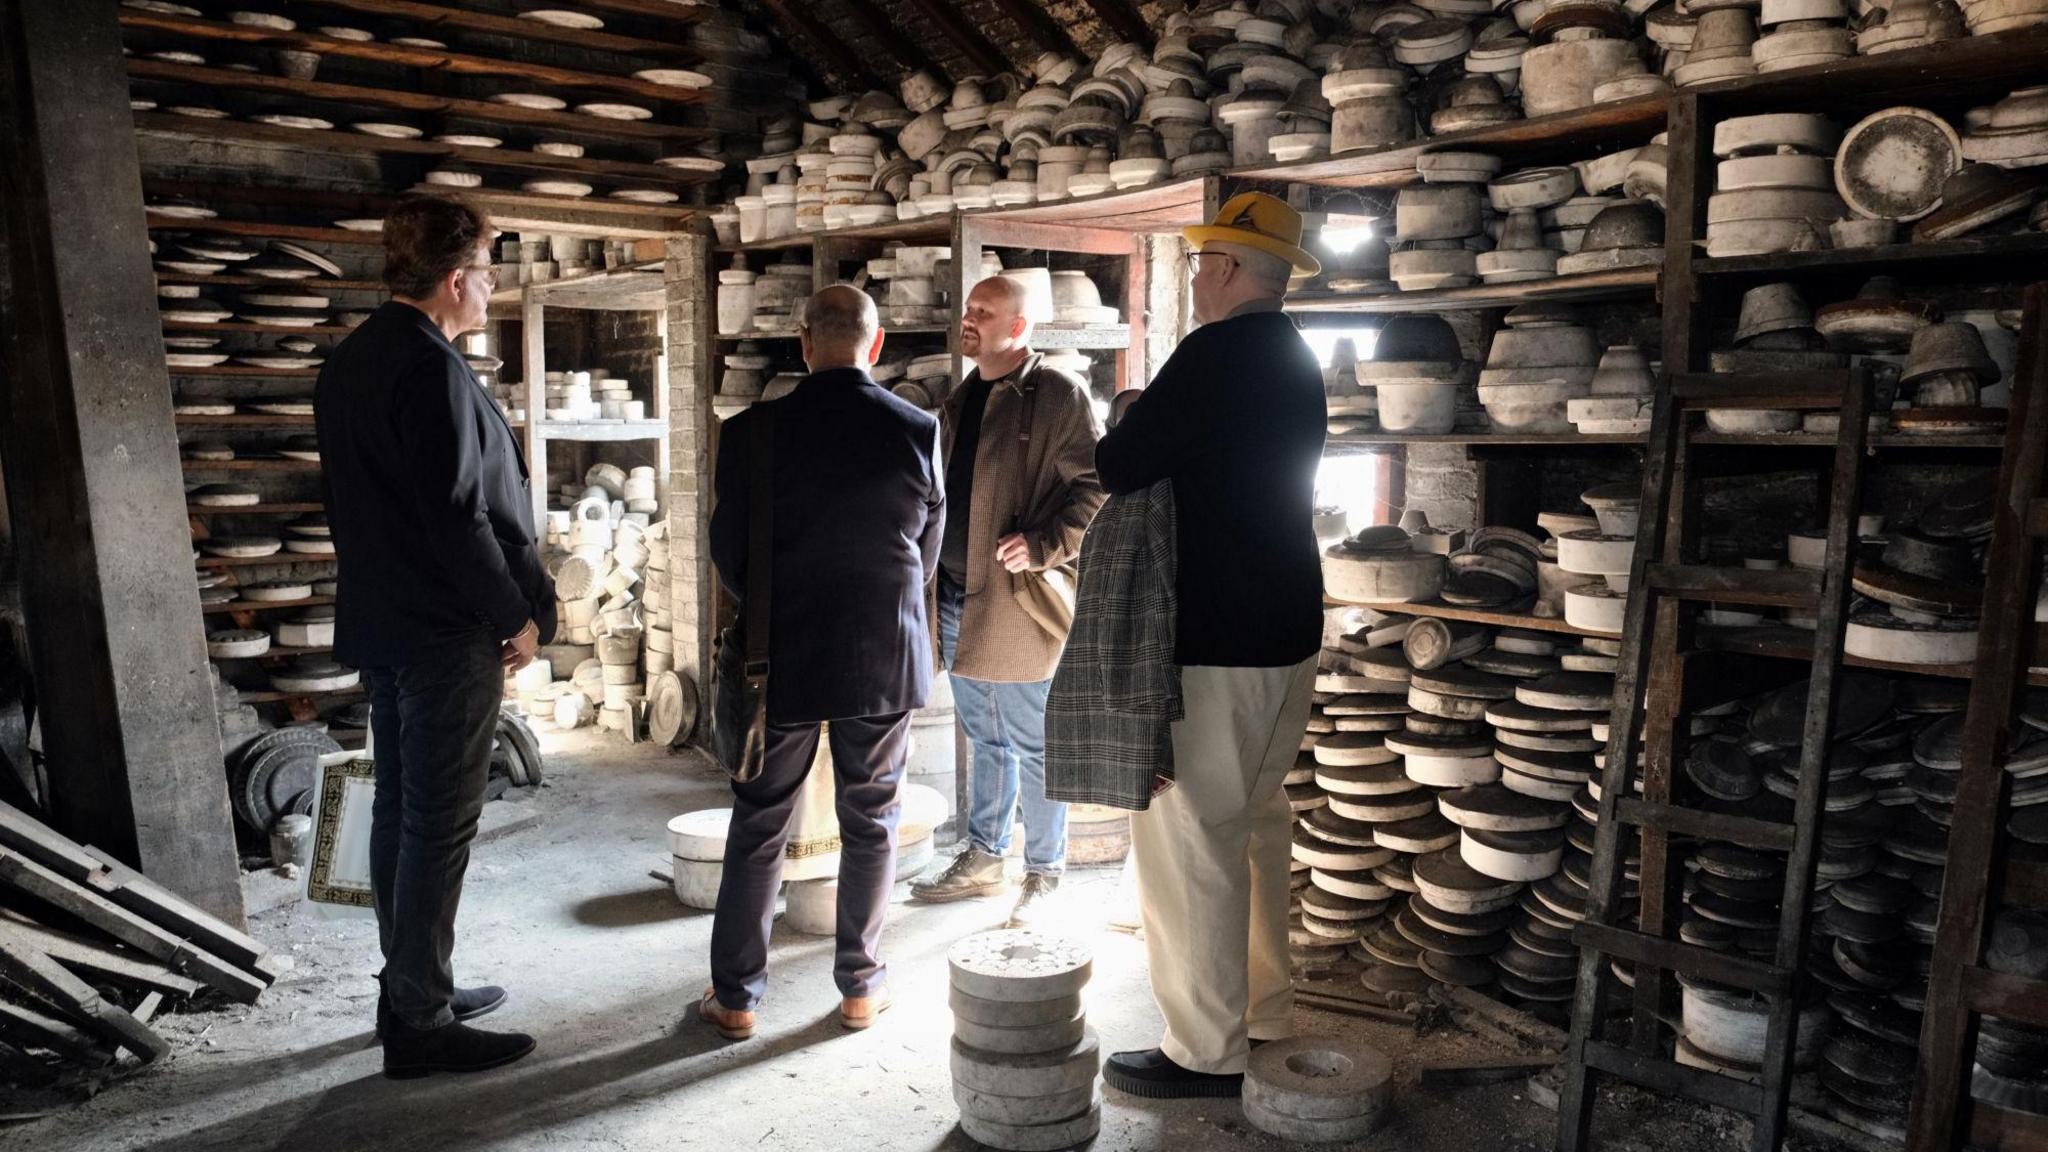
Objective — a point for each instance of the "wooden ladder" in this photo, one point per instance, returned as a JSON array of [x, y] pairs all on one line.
[[1648, 688], [1982, 873]]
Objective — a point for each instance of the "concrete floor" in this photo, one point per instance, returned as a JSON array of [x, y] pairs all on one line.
[[603, 965]]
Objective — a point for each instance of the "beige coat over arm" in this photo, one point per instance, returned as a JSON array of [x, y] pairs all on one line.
[[999, 641]]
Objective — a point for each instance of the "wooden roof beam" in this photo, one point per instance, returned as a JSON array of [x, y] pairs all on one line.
[[839, 58], [985, 56], [907, 54], [1042, 29], [1123, 18]]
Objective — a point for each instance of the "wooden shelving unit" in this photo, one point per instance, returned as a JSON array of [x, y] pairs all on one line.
[[257, 329], [263, 465], [235, 606], [1492, 617], [1623, 284]]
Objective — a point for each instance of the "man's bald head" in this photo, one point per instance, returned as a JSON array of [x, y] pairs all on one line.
[[993, 325], [840, 328]]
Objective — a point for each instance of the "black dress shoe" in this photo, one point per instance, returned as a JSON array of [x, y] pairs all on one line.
[[413, 1052], [468, 1004], [1152, 1075]]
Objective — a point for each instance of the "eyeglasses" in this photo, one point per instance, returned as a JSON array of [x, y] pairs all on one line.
[[490, 272], [1195, 259]]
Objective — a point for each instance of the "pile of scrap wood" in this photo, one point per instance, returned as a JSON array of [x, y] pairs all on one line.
[[91, 950]]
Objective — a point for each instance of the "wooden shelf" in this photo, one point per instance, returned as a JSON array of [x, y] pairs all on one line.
[[1788, 643], [1975, 259], [923, 230], [1969, 69], [1485, 439], [435, 59], [251, 465], [521, 211], [1164, 207], [263, 605], [668, 10], [1619, 284], [635, 287], [891, 329], [279, 560], [258, 228], [242, 420], [1887, 440], [312, 284], [270, 697], [246, 370], [339, 139], [1495, 618], [441, 17], [603, 431], [258, 329], [287, 509], [1573, 135]]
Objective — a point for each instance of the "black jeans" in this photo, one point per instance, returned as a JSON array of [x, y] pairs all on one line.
[[867, 763], [433, 722]]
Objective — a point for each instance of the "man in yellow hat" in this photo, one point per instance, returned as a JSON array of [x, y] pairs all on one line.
[[1235, 420]]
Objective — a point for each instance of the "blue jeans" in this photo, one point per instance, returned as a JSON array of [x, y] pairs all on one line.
[[1005, 726]]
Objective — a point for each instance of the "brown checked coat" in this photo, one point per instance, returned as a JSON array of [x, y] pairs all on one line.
[[999, 641]]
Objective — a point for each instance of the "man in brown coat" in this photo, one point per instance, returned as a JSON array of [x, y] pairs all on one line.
[[1019, 445]]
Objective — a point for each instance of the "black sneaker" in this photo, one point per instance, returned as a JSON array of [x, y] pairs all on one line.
[[469, 1003], [1151, 1074], [972, 874], [411, 1052]]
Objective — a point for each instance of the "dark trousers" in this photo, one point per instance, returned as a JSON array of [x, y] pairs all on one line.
[[867, 761], [432, 721]]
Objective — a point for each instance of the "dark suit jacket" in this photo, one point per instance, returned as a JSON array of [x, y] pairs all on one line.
[[426, 494], [859, 508]]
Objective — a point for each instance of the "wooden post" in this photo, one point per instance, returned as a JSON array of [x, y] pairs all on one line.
[[533, 356], [95, 489]]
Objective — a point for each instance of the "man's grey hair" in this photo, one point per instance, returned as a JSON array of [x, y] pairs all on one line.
[[1262, 266], [841, 318]]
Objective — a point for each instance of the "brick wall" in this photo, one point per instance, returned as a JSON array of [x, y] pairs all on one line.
[[690, 319]]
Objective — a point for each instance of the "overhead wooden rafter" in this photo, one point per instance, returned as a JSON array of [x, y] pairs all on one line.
[[980, 52], [1124, 19], [839, 59], [1042, 29], [907, 53]]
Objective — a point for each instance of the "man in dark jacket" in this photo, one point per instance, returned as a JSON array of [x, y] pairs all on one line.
[[441, 593], [1235, 420], [859, 498]]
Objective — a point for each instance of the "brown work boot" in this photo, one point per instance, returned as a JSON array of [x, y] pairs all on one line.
[[973, 873], [856, 1013], [1032, 900], [730, 1023]]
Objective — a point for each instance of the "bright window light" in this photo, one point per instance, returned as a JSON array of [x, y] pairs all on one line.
[[1342, 232], [1352, 482], [1324, 341]]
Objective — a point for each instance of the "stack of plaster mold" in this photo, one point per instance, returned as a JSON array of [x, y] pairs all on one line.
[[1316, 1090], [746, 371], [2012, 133], [780, 291], [1620, 396], [610, 601], [1774, 332], [811, 906], [1618, 234], [1367, 93], [1925, 589], [1947, 372], [1722, 39], [1910, 24], [1438, 230], [1774, 186], [1602, 553], [912, 295], [1383, 565], [1578, 50], [1416, 376], [1539, 362], [1024, 1060], [1521, 251], [1802, 33]]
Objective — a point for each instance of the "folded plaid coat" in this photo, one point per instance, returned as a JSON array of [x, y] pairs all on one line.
[[1116, 692]]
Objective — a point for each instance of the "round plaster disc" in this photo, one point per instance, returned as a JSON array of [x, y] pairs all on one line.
[[1460, 680], [1462, 924], [1019, 965], [1560, 791], [1429, 832], [271, 591], [1524, 642], [1451, 771], [1034, 1074], [1355, 885], [1384, 809], [1421, 744], [1367, 724], [1027, 1111], [1352, 750], [1892, 164], [1416, 932], [1462, 971], [1445, 880], [1543, 742], [1536, 967], [1330, 906], [1314, 1088], [1398, 873], [242, 546], [1722, 770], [1433, 643], [1496, 808], [1524, 717], [1317, 851], [1571, 691], [237, 643], [1576, 767], [1302, 797], [1390, 978], [1520, 665], [1329, 932], [1020, 1014], [1364, 780], [1388, 663], [1304, 770], [1417, 724], [1446, 707], [1366, 704], [671, 709], [1523, 856]]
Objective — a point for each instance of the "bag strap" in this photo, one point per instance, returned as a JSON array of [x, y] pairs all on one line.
[[1028, 384], [760, 538]]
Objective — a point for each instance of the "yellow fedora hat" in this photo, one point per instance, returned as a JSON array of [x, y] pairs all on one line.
[[1257, 220]]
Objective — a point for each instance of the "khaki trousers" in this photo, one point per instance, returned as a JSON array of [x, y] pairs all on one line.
[[1213, 855]]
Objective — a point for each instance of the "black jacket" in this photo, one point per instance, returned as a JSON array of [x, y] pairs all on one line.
[[1235, 419], [859, 509], [426, 495]]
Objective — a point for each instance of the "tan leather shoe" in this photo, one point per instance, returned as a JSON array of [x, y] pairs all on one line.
[[856, 1013], [731, 1024]]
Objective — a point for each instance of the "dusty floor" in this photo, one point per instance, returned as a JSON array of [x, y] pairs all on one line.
[[603, 963]]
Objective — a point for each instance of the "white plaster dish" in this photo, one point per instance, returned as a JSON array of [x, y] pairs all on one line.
[[1892, 164]]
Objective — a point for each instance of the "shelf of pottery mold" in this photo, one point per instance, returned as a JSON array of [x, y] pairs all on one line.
[[217, 227], [242, 420], [632, 288], [1619, 284], [922, 230], [1086, 336], [672, 11], [603, 431], [259, 329], [1165, 207], [1972, 259], [278, 559], [440, 60], [1487, 439], [246, 370], [263, 605], [267, 697], [250, 465], [891, 329], [487, 111], [518, 211], [540, 164], [443, 18], [1573, 135], [1967, 68], [1788, 643], [1993, 441], [311, 284], [283, 509], [1488, 616], [279, 653]]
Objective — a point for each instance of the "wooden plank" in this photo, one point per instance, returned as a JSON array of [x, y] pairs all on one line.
[[1775, 588], [27, 876], [947, 17], [1501, 1070], [2001, 994], [1527, 1028], [1668, 1079], [258, 329], [257, 509], [441, 17], [93, 958], [32, 1027], [1745, 830], [1668, 955], [1996, 1129], [844, 64], [1968, 68], [166, 909], [1166, 207], [406, 100], [315, 285], [45, 977], [92, 461], [267, 230], [1804, 390], [1620, 284], [242, 606], [591, 215]]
